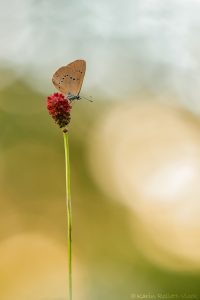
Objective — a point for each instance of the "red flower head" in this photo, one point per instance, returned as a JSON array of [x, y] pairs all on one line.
[[59, 108]]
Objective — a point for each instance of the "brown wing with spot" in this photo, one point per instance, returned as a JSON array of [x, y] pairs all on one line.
[[69, 79]]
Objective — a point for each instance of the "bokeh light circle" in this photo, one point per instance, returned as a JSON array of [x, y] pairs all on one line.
[[37, 269], [149, 158]]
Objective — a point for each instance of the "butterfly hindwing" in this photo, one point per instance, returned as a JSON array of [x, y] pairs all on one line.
[[68, 79]]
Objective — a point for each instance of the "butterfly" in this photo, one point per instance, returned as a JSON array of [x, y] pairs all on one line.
[[69, 79]]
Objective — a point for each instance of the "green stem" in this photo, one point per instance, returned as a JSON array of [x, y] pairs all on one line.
[[69, 214]]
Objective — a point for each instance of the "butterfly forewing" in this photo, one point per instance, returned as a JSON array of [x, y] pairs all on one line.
[[69, 79]]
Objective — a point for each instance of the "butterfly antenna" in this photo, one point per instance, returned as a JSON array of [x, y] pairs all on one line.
[[88, 99]]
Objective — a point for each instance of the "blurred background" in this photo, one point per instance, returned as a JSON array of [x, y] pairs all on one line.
[[135, 151]]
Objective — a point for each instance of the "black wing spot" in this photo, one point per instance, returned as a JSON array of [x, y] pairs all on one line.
[[73, 78]]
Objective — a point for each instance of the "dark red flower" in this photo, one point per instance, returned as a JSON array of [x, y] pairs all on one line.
[[59, 108]]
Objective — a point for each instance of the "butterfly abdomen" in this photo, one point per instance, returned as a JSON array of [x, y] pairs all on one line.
[[71, 97]]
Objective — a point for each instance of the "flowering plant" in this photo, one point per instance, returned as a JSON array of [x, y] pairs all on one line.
[[59, 109]]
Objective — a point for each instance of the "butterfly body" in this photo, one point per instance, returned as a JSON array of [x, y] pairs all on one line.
[[69, 79], [71, 97]]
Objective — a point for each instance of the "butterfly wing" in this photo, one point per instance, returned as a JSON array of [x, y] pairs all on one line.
[[69, 79]]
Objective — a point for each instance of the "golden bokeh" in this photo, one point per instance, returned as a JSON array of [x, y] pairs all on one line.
[[134, 151], [34, 267], [150, 161]]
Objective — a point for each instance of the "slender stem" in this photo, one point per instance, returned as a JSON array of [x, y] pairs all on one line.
[[69, 214]]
